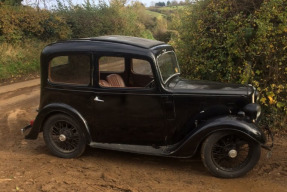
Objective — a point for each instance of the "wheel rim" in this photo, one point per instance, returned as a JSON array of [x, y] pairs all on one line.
[[231, 152], [64, 136]]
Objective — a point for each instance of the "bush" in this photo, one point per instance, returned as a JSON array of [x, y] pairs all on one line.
[[238, 41], [18, 23]]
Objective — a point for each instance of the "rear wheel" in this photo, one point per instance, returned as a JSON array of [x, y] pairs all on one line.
[[64, 136], [229, 155]]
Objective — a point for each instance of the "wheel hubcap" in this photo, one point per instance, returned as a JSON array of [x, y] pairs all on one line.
[[232, 153], [65, 136], [62, 137]]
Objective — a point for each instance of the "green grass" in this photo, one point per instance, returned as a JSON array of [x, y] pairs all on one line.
[[171, 8], [154, 14], [20, 59]]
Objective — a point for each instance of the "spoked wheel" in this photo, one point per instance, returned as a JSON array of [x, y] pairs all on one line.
[[229, 155], [64, 136]]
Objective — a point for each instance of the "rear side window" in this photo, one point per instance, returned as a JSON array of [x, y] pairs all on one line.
[[70, 69]]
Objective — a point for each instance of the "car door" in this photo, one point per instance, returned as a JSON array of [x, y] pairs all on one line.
[[69, 82], [127, 114]]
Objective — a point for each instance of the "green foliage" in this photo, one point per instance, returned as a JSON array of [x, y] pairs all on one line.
[[162, 21], [160, 4], [93, 20], [23, 32], [19, 23], [238, 41]]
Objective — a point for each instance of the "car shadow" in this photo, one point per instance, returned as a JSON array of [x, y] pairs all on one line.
[[193, 164]]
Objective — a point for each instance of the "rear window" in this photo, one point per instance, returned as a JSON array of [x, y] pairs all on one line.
[[70, 69]]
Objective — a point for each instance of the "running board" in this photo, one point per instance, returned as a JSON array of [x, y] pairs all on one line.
[[140, 149]]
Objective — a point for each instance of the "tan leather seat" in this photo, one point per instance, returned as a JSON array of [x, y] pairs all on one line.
[[104, 83], [115, 80]]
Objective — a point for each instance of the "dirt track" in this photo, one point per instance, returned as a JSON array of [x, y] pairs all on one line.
[[28, 165]]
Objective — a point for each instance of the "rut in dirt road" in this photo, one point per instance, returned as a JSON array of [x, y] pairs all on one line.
[[25, 92]]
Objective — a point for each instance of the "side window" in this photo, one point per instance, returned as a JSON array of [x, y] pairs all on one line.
[[112, 64], [141, 67], [141, 73], [111, 71], [70, 69]]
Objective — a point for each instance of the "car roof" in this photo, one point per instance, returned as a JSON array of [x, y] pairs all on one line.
[[135, 41], [107, 44], [128, 40]]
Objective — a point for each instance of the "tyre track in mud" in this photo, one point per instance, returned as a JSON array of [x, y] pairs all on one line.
[[19, 94], [29, 166]]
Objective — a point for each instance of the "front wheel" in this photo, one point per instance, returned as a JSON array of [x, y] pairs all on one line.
[[229, 155], [64, 136]]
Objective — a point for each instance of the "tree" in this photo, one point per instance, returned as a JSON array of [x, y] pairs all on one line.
[[160, 4], [11, 2], [118, 2]]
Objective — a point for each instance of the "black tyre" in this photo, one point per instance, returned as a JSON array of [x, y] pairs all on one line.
[[229, 155], [64, 136]]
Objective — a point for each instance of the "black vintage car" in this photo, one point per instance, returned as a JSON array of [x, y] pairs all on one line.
[[125, 93]]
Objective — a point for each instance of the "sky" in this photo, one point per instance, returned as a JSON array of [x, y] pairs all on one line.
[[147, 3]]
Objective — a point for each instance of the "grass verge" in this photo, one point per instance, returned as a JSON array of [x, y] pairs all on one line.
[[20, 59]]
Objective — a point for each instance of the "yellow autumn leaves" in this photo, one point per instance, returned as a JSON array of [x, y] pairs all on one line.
[[240, 42]]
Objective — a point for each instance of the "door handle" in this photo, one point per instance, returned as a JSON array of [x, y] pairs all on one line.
[[98, 100]]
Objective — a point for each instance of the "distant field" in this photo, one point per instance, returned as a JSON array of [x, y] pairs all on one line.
[[163, 11], [154, 14], [172, 7]]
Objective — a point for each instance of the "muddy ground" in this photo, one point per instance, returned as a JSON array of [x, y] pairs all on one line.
[[29, 166]]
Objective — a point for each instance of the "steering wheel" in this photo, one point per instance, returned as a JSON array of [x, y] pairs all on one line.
[[150, 84]]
